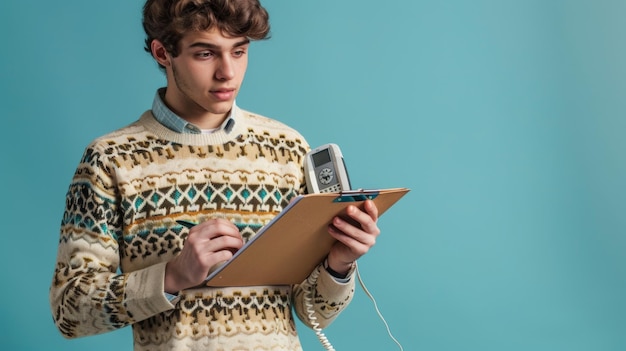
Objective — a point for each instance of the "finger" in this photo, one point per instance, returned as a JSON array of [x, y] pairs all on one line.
[[356, 246], [212, 236], [371, 209], [202, 256], [346, 230], [366, 220], [224, 243], [214, 228]]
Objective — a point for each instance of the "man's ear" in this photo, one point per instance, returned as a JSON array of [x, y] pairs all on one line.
[[159, 53]]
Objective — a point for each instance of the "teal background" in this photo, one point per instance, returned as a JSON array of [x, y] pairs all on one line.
[[505, 118]]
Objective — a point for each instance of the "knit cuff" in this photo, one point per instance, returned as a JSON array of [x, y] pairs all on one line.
[[145, 292]]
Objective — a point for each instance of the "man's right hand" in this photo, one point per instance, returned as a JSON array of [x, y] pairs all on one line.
[[207, 245]]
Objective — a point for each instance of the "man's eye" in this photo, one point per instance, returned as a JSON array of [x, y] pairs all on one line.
[[204, 54], [239, 53]]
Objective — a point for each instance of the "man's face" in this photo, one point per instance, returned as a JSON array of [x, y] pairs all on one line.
[[205, 78]]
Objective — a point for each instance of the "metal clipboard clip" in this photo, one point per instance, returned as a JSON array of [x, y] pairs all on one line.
[[356, 195]]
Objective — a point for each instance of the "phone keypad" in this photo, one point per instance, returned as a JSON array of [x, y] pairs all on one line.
[[332, 189]]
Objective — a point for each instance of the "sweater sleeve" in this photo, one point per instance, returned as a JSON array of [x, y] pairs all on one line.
[[88, 294], [323, 297]]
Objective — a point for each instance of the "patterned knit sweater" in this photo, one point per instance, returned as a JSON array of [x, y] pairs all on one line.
[[119, 229]]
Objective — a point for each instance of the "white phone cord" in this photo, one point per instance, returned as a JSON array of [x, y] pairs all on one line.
[[308, 303], [358, 274]]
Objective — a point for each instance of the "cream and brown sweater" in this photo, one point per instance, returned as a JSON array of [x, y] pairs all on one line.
[[119, 229]]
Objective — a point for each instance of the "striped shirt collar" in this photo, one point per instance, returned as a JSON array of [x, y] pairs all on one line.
[[169, 119]]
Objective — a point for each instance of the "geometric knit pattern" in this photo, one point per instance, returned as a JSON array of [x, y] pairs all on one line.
[[119, 229]]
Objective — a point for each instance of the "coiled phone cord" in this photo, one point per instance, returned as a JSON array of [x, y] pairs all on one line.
[[308, 303]]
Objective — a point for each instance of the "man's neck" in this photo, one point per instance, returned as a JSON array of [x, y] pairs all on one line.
[[195, 114]]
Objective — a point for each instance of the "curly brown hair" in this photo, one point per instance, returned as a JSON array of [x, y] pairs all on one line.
[[168, 20]]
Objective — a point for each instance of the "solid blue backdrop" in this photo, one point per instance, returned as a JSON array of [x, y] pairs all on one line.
[[505, 118]]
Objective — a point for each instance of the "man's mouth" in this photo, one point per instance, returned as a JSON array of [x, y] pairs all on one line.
[[223, 94]]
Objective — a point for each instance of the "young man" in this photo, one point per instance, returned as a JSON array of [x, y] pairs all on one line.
[[123, 259]]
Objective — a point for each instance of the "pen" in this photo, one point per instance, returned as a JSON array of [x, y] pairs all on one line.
[[187, 224]]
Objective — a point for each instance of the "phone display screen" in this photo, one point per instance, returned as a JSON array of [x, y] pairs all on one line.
[[321, 158]]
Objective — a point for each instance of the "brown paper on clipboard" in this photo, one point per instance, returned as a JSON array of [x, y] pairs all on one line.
[[287, 249]]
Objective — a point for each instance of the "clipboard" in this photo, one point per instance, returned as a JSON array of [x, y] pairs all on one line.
[[287, 249]]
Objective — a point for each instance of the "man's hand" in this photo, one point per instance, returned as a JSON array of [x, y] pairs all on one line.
[[354, 236], [208, 244]]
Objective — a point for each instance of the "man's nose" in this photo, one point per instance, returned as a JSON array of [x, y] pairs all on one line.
[[226, 69]]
